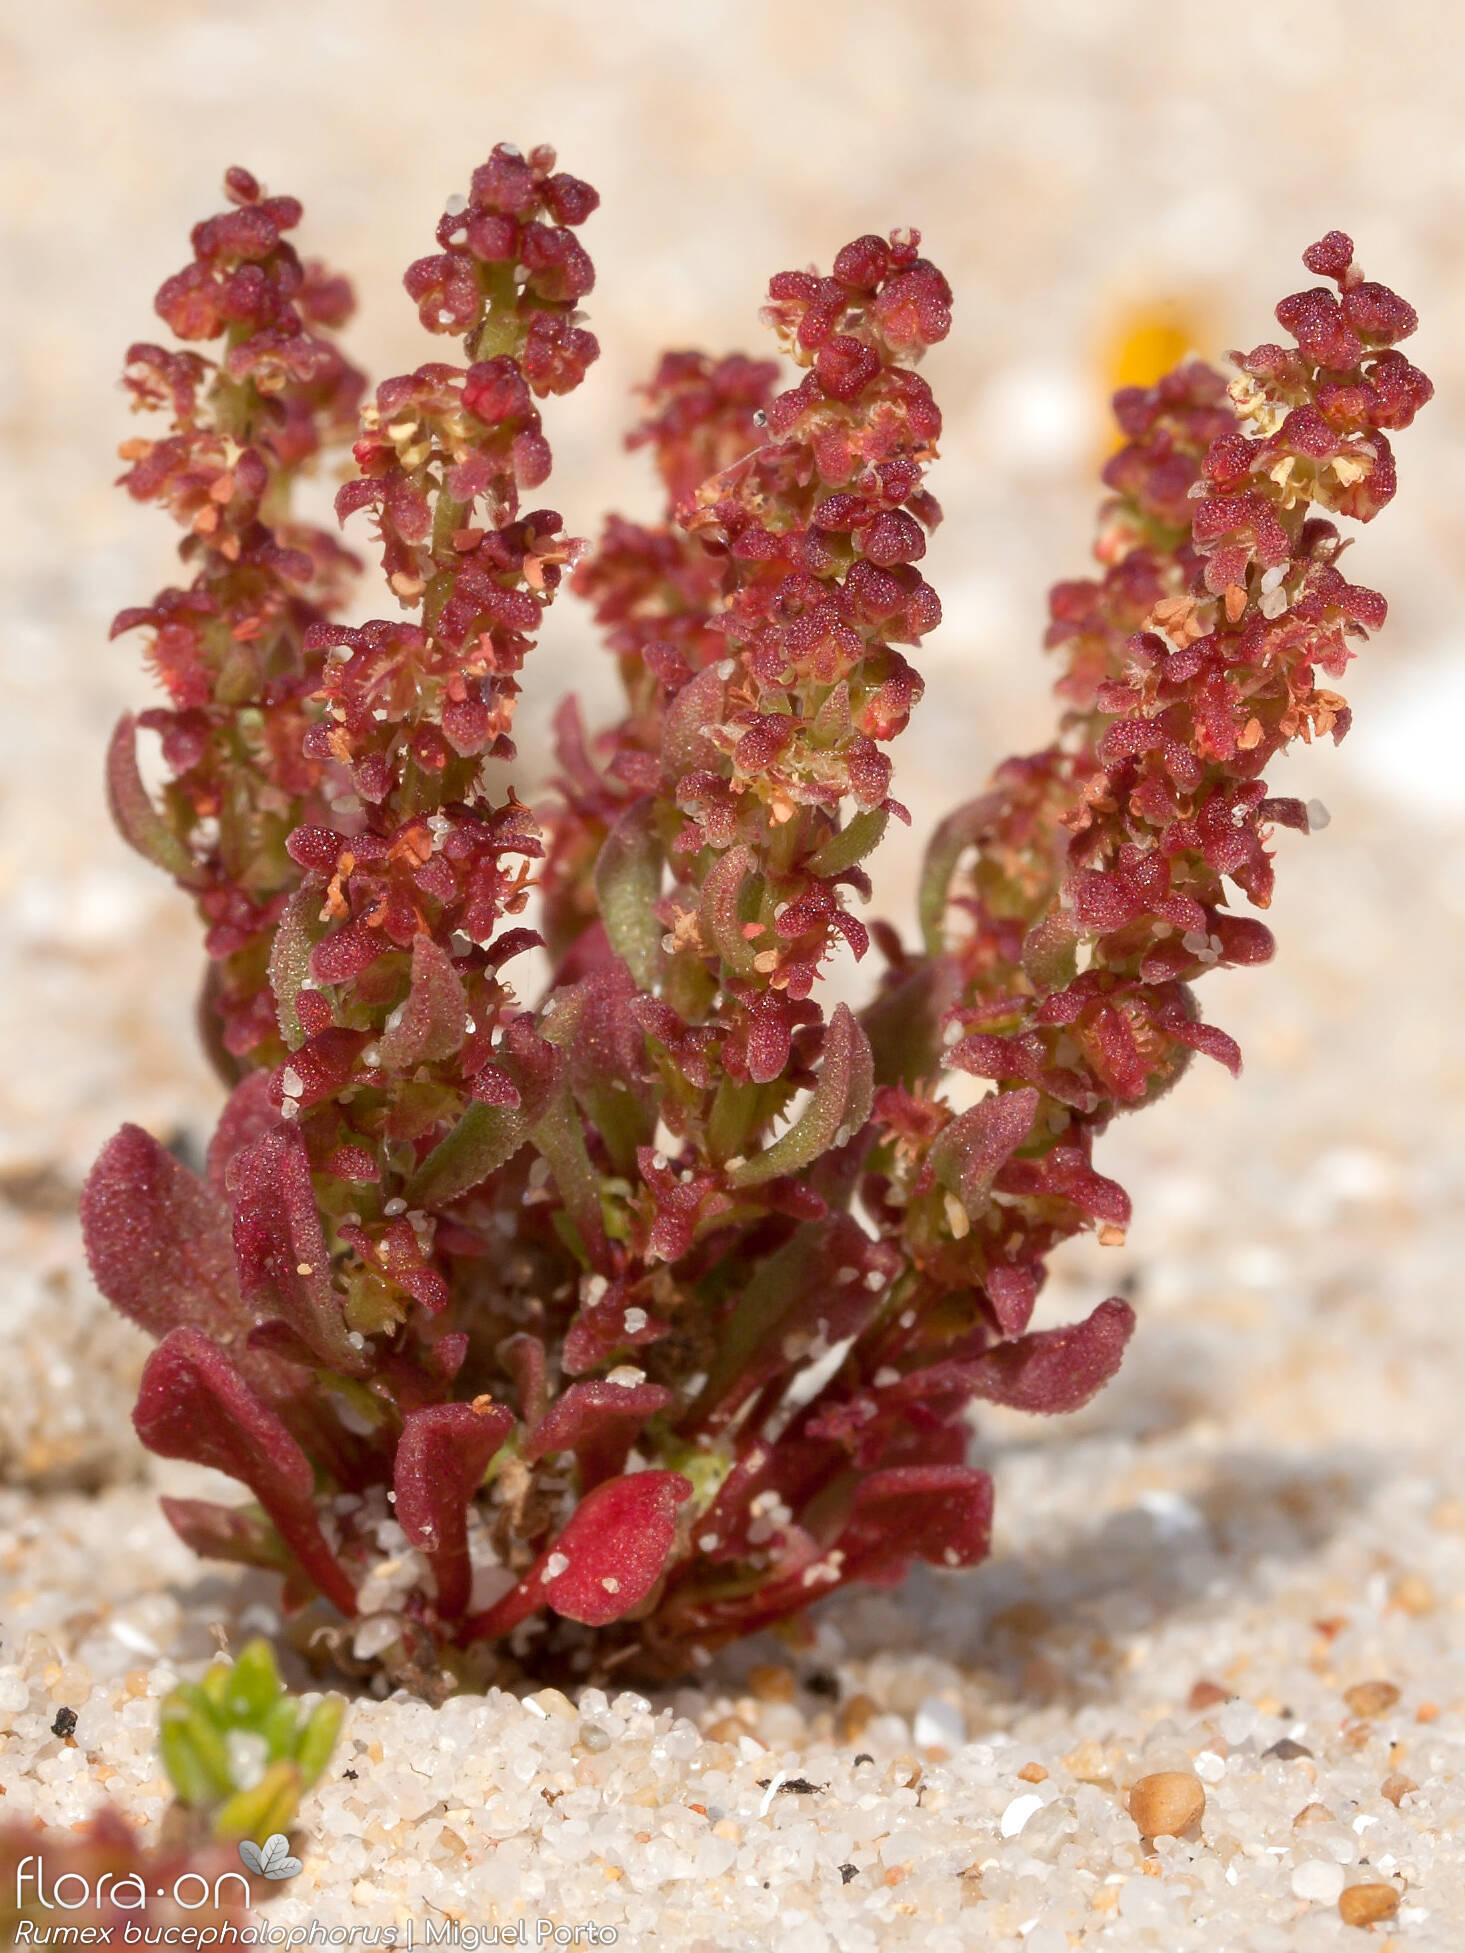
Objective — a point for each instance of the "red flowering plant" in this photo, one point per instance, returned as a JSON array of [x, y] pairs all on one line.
[[614, 1325]]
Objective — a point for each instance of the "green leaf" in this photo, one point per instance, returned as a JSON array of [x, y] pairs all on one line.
[[268, 1807], [720, 910], [903, 1023], [138, 820], [1050, 952], [318, 1739], [279, 1727], [484, 1139], [627, 887], [194, 1752], [840, 1104], [960, 830], [561, 1138], [859, 837], [254, 1685], [776, 1281], [296, 935], [246, 1695]]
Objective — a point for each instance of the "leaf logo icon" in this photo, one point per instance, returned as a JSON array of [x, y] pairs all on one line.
[[271, 1859]]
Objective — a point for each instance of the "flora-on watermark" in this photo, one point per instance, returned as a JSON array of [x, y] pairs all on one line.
[[72, 1891]]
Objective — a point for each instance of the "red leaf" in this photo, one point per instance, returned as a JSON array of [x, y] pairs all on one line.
[[599, 1421], [939, 1513], [442, 1454], [607, 1560], [157, 1239], [280, 1249], [1056, 1370], [193, 1404], [970, 1152], [226, 1532], [434, 1018], [248, 1113]]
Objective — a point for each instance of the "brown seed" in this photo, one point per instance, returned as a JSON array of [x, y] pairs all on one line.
[[1167, 1803], [1364, 1905], [1396, 1788], [1371, 1698], [771, 1682]]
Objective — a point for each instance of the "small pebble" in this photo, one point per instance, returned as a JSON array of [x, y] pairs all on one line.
[[939, 1725], [1312, 1814], [1018, 1812], [727, 1729], [1397, 1787], [1370, 1699], [1318, 1880], [1365, 1905], [770, 1682], [855, 1717], [1287, 1751], [1166, 1803], [65, 1723], [1206, 1694], [1414, 1595]]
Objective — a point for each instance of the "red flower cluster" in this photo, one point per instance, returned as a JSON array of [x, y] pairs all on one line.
[[230, 649], [622, 1324]]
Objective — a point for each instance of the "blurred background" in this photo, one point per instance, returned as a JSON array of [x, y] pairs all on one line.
[[1103, 181]]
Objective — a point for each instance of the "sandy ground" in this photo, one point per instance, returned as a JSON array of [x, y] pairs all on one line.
[[1271, 1499]]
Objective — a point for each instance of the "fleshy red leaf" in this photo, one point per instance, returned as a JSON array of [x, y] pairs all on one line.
[[442, 1454], [280, 1248], [226, 1532], [606, 1562], [1056, 1370], [249, 1112], [970, 1152], [157, 1239], [939, 1513], [435, 1015], [193, 1404], [599, 1421]]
